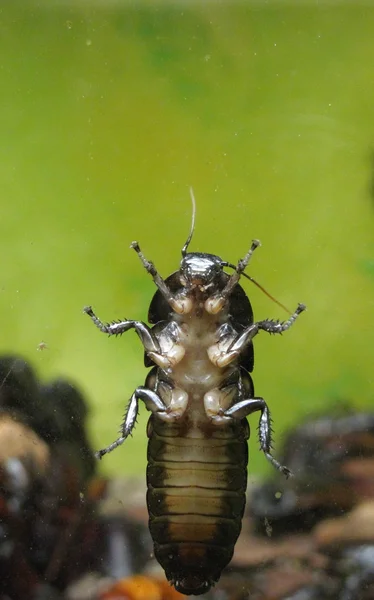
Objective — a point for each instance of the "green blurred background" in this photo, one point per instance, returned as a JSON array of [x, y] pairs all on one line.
[[110, 112]]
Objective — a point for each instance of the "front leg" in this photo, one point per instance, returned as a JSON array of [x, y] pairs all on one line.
[[229, 347], [180, 304], [216, 302]]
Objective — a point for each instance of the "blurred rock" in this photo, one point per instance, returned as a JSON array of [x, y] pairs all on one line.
[[63, 424], [19, 442], [326, 457], [354, 527]]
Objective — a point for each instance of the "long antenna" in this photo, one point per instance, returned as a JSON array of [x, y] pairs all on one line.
[[226, 264], [184, 249]]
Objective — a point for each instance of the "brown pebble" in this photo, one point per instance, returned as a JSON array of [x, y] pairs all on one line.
[[356, 526]]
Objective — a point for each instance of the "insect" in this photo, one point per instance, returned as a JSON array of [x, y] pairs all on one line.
[[200, 392]]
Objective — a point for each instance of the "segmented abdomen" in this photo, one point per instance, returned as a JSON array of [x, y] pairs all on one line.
[[196, 498]]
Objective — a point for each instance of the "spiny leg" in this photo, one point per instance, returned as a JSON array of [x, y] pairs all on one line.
[[145, 334], [268, 325], [225, 351], [244, 408], [280, 326], [153, 403]]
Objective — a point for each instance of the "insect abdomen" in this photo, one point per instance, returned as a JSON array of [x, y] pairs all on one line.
[[196, 499]]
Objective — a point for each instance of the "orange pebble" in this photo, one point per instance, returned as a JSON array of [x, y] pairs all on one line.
[[138, 587]]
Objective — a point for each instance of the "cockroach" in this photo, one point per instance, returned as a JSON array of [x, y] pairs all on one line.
[[200, 391]]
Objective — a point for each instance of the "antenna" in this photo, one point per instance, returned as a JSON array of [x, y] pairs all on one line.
[[227, 264], [184, 249]]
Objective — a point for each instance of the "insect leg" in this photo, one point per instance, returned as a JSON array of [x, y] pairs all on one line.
[[145, 334], [152, 401], [227, 350], [180, 304], [266, 325], [242, 264], [242, 409], [215, 303], [280, 326]]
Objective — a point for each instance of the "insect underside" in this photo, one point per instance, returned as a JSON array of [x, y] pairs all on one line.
[[199, 392]]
